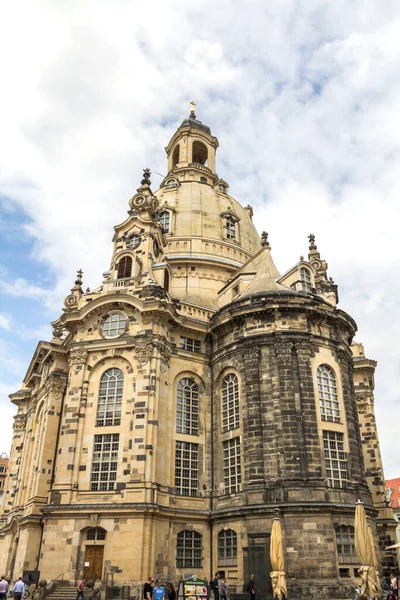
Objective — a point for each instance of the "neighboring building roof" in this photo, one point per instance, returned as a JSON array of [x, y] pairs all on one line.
[[394, 486]]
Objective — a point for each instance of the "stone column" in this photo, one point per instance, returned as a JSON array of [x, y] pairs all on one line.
[[355, 459], [306, 414], [290, 412], [75, 402], [252, 451]]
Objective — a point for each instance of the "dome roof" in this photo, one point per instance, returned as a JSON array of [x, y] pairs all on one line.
[[194, 124], [200, 211]]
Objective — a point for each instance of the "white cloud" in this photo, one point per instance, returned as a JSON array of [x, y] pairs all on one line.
[[5, 321], [306, 107]]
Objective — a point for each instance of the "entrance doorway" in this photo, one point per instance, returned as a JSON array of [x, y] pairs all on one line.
[[93, 562], [257, 561]]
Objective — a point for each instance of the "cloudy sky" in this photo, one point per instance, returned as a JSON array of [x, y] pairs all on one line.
[[304, 97]]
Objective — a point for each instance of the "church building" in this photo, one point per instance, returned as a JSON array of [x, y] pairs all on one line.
[[190, 398]]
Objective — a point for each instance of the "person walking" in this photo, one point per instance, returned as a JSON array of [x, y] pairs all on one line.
[[148, 589], [215, 587], [80, 588], [19, 589], [158, 591], [3, 587], [171, 593], [251, 588], [223, 590]]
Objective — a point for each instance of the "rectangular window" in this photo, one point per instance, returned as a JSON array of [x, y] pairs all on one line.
[[335, 459], [230, 228], [186, 468], [232, 466], [105, 462], [345, 544], [190, 344]]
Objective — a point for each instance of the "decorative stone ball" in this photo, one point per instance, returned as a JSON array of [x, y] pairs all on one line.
[[90, 583], [43, 583]]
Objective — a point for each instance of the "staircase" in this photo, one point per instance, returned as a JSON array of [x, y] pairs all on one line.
[[63, 592]]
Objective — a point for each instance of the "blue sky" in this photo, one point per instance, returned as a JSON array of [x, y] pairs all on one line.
[[304, 97]]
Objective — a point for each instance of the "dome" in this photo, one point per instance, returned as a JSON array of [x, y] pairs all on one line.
[[209, 234]]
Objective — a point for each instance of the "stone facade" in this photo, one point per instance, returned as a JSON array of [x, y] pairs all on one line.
[[181, 404], [3, 472]]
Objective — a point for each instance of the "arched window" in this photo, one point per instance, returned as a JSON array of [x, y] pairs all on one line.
[[2, 469], [187, 407], [124, 267], [345, 544], [327, 394], [164, 220], [134, 241], [189, 550], [110, 398], [199, 153], [175, 156], [1, 483], [227, 548], [230, 402], [222, 188], [96, 533], [230, 226], [306, 282], [166, 280], [203, 180]]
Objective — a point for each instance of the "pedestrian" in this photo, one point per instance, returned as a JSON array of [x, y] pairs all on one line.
[[171, 591], [3, 587], [393, 586], [215, 587], [251, 588], [158, 591], [148, 589], [80, 588], [223, 591], [19, 589]]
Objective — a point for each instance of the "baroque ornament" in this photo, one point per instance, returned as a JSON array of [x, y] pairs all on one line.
[[284, 351], [143, 353], [303, 351], [77, 357]]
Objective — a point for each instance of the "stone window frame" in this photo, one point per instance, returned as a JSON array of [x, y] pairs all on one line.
[[235, 413], [328, 413], [189, 549], [96, 534], [130, 245], [111, 401], [190, 344], [187, 406], [164, 219], [334, 452], [306, 280], [227, 548], [233, 226], [105, 454], [232, 465], [124, 267], [186, 477], [345, 536], [120, 331]]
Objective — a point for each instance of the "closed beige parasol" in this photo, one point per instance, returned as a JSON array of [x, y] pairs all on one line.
[[278, 577], [374, 558], [365, 555]]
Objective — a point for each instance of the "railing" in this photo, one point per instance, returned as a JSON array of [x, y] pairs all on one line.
[[44, 590]]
